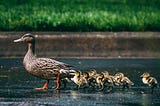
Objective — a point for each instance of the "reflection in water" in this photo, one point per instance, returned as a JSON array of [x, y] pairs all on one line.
[[17, 86], [145, 99], [74, 94]]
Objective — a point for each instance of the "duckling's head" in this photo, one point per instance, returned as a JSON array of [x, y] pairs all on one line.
[[27, 38], [78, 73], [100, 76], [119, 75], [85, 75], [92, 73], [106, 74], [145, 75]]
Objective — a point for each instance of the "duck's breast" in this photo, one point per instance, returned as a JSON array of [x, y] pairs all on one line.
[[42, 67]]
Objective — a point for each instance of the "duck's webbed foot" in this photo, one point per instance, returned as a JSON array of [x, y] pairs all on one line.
[[44, 86]]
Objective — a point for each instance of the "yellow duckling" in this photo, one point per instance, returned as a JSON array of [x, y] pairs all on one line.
[[107, 77], [92, 73], [85, 79], [117, 78], [92, 78], [78, 79], [99, 81], [123, 81], [108, 81], [86, 76], [150, 81]]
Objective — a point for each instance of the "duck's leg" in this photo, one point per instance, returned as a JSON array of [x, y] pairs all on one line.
[[44, 86], [58, 81]]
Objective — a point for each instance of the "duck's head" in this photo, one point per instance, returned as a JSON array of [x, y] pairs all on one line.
[[145, 75], [27, 38]]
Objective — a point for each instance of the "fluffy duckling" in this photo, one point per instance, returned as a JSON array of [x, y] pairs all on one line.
[[123, 81], [117, 78], [92, 78], [108, 80], [99, 81], [79, 80], [86, 76], [92, 73], [150, 81]]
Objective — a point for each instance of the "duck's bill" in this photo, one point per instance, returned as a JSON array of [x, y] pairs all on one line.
[[18, 40]]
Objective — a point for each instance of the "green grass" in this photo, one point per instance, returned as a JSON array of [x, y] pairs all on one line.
[[79, 15]]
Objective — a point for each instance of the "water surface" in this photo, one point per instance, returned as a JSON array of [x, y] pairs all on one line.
[[17, 86]]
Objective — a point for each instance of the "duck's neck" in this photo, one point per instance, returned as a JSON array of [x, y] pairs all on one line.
[[31, 48], [30, 55]]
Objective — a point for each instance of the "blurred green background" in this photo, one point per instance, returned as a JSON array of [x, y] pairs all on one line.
[[80, 15]]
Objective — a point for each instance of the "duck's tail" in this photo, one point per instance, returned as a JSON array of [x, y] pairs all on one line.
[[69, 72], [66, 75]]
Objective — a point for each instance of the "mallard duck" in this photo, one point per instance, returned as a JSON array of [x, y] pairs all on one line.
[[44, 68], [123, 81], [148, 80]]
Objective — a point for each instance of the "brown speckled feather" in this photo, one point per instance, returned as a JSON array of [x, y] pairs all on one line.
[[45, 68]]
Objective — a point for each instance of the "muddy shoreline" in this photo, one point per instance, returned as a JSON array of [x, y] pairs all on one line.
[[85, 44]]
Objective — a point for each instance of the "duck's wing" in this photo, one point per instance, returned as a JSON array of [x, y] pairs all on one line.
[[47, 63]]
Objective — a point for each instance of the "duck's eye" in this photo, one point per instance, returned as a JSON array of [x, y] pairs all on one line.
[[28, 39]]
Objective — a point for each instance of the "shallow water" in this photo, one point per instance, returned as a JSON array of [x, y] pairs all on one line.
[[16, 85]]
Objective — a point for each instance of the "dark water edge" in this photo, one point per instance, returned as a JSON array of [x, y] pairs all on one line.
[[17, 86]]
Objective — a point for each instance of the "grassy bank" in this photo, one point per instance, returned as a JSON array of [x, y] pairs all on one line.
[[80, 15]]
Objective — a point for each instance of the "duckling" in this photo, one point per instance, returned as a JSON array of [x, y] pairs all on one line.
[[123, 81], [108, 81], [92, 73], [92, 78], [150, 81], [117, 78], [44, 68], [79, 80], [107, 77], [86, 77], [99, 81], [86, 80]]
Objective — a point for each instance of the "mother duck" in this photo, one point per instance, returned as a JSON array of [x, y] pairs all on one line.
[[44, 68]]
